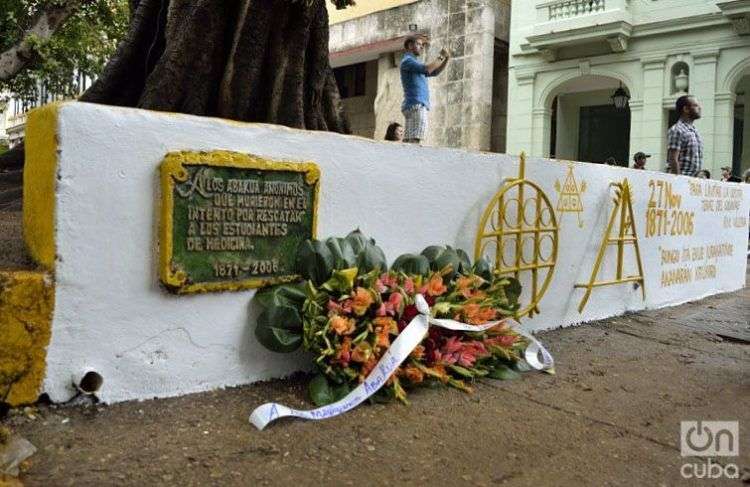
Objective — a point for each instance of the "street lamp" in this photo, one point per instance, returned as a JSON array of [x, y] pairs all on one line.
[[620, 98]]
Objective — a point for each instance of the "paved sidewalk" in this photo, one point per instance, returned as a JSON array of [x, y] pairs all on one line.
[[611, 416]]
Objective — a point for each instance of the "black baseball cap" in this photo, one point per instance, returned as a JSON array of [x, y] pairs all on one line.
[[640, 155]]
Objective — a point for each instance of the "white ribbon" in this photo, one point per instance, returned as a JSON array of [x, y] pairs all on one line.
[[402, 346]]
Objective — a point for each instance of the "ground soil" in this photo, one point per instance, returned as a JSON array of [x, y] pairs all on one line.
[[12, 251], [611, 416]]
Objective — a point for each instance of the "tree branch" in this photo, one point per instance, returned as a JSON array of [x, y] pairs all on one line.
[[43, 26]]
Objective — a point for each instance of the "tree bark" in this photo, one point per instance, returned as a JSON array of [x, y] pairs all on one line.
[[248, 60], [43, 26]]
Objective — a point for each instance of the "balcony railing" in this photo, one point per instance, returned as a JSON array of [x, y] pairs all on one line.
[[575, 22], [573, 8]]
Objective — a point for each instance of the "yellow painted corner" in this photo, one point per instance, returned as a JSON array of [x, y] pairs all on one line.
[[39, 184], [26, 305]]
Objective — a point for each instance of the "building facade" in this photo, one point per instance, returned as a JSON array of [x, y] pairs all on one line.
[[468, 99], [14, 109], [569, 57]]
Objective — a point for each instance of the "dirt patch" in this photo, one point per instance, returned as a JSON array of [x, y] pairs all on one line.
[[13, 255]]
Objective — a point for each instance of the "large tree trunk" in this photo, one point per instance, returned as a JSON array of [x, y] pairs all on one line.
[[249, 60]]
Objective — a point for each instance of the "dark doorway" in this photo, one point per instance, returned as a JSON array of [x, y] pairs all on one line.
[[604, 131]]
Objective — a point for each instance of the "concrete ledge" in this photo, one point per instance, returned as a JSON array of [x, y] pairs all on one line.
[[98, 226]]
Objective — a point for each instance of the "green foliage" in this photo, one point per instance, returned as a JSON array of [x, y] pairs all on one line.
[[417, 265], [371, 257], [84, 43], [447, 258], [322, 392], [315, 261], [503, 372], [280, 324]]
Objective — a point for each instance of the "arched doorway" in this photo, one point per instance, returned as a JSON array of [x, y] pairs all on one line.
[[586, 125]]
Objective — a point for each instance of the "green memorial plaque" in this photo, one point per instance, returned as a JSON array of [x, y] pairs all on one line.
[[233, 221]]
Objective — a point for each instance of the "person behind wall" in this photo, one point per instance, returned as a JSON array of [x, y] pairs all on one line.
[[684, 143], [726, 173], [394, 132], [639, 160], [704, 174], [414, 75], [746, 177], [611, 161]]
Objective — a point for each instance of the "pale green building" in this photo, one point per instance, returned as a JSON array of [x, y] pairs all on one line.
[[569, 57]]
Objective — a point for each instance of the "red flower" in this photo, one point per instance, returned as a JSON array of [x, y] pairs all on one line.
[[470, 352], [409, 286], [380, 286], [393, 305]]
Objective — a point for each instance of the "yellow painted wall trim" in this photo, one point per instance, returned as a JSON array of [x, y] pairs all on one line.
[[39, 184], [27, 300], [362, 8]]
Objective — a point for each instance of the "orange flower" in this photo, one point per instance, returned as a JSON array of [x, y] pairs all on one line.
[[344, 353], [413, 374], [503, 341], [435, 286], [367, 368], [383, 328], [341, 325], [361, 300], [417, 353], [476, 315], [464, 285]]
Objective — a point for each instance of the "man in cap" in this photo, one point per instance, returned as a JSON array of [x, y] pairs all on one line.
[[639, 160]]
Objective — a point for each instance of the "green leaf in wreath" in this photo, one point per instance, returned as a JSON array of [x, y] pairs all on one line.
[[513, 290], [482, 269], [343, 254], [412, 264], [292, 295], [503, 372], [370, 258], [279, 329], [320, 391], [314, 261], [461, 371], [358, 240], [465, 261], [341, 281]]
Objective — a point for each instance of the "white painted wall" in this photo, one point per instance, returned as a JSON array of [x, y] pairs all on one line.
[[112, 315]]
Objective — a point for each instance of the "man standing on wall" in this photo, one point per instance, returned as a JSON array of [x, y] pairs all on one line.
[[684, 144], [416, 91]]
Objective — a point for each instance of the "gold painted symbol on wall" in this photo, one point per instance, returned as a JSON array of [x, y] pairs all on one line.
[[518, 235], [626, 235], [570, 192]]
